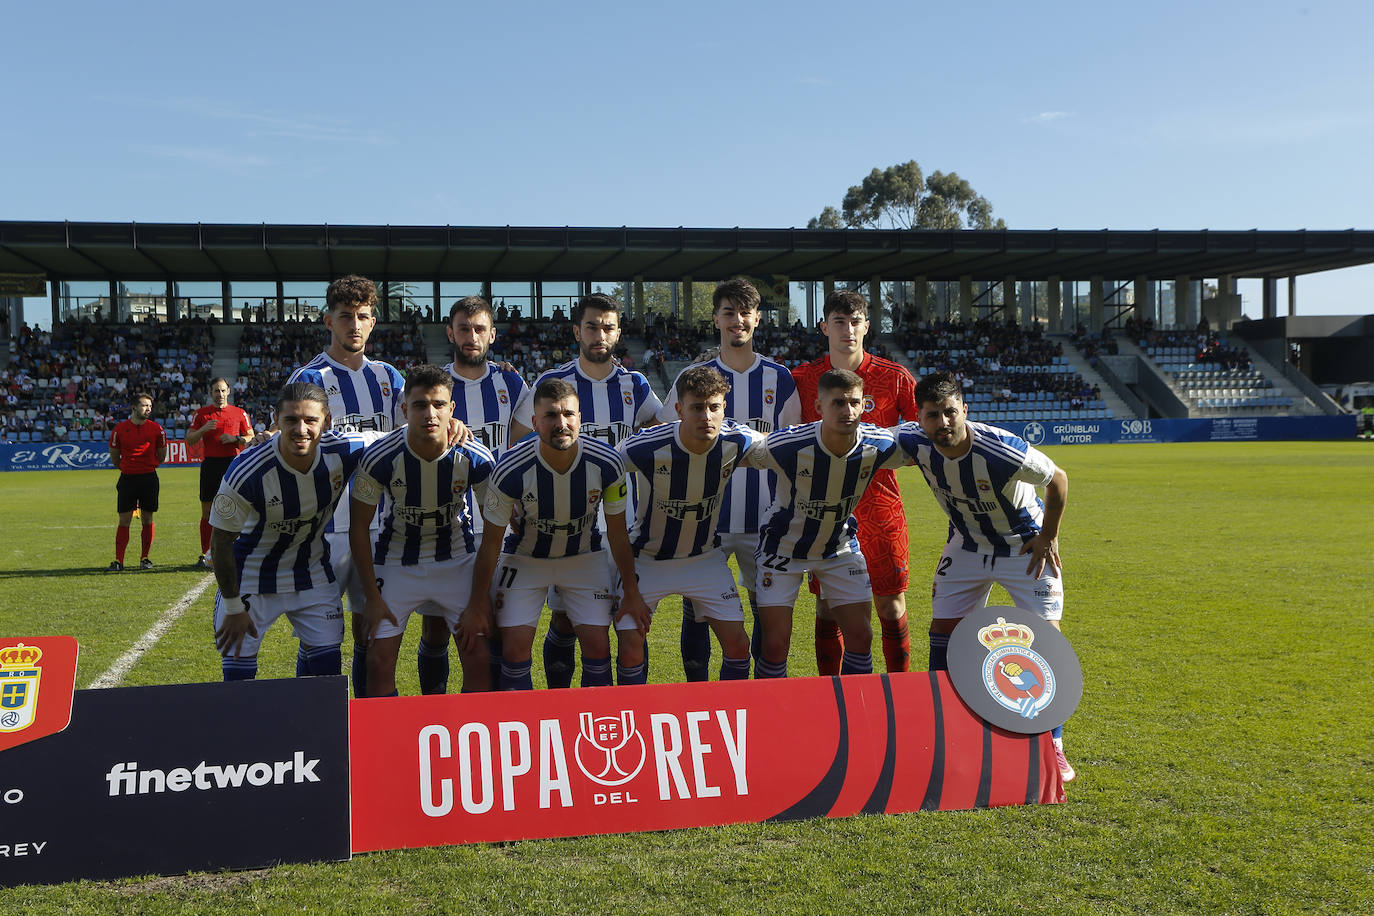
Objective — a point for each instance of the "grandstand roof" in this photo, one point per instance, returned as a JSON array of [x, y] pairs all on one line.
[[205, 251]]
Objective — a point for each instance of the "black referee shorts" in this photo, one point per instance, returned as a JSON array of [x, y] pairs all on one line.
[[211, 473], [137, 491]]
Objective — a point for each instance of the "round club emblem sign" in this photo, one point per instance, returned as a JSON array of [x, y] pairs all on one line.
[[1014, 669]]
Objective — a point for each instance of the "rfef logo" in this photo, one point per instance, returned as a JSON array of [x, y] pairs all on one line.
[[609, 751], [37, 676]]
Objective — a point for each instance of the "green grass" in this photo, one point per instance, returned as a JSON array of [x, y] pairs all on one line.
[[1217, 595]]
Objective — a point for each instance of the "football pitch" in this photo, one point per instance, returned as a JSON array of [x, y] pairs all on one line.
[[1218, 596]]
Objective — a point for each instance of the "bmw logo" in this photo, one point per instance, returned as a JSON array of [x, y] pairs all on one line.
[[1034, 433]]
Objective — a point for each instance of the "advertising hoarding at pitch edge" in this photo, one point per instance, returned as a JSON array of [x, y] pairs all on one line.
[[430, 771], [164, 780], [82, 456]]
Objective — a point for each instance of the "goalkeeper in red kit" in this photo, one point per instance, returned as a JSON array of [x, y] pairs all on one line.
[[889, 398]]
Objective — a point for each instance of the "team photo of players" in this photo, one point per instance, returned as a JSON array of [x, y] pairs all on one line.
[[467, 498]]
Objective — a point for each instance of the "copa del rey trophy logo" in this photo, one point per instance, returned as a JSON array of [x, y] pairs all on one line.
[[19, 677], [609, 751]]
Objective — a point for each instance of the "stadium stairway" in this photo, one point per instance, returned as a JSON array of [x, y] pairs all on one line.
[[438, 351], [1119, 408], [226, 357]]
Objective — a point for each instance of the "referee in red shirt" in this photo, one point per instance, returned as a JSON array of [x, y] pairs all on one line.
[[223, 430], [137, 446]]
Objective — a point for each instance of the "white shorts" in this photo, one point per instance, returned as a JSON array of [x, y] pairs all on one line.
[[742, 544], [963, 579], [345, 573], [430, 589], [705, 579], [559, 605], [315, 615], [844, 579], [522, 583]]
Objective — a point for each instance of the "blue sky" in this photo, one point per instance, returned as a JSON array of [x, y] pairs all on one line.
[[1071, 115]]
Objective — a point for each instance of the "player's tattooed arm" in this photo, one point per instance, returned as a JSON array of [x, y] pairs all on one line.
[[1044, 547], [631, 601], [476, 621], [238, 622], [375, 608]]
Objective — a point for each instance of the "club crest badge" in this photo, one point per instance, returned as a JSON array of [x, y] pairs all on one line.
[[37, 677], [1014, 674], [19, 677], [1015, 669]]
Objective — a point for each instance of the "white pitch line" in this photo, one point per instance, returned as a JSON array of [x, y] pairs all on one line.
[[116, 672]]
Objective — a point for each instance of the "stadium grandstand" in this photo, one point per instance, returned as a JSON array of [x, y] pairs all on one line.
[[1030, 320]]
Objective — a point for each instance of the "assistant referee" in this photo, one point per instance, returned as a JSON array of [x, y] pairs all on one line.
[[224, 431]]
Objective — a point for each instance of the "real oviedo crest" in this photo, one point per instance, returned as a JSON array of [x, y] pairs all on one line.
[[1014, 669], [37, 676]]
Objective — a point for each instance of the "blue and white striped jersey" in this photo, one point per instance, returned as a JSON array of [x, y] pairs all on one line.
[[612, 408], [428, 514], [813, 515], [366, 398], [763, 397], [280, 514], [551, 514], [486, 405], [989, 493], [680, 492]]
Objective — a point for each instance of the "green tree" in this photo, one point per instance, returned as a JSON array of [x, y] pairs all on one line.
[[658, 297], [902, 197]]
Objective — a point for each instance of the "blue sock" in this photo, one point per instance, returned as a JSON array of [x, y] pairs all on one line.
[[558, 658], [323, 661], [1057, 732], [239, 669], [359, 671], [734, 669], [494, 650], [596, 672], [696, 645], [763, 669], [516, 675], [302, 668], [635, 674], [939, 652], [856, 663], [432, 663]]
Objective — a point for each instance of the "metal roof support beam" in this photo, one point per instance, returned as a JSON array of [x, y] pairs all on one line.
[[1292, 295], [922, 298], [1054, 289], [1096, 290], [1183, 302], [1270, 295], [966, 298]]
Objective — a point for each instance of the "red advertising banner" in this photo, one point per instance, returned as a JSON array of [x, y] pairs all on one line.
[[37, 679], [439, 770]]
